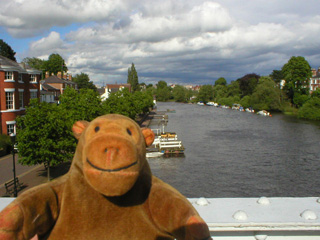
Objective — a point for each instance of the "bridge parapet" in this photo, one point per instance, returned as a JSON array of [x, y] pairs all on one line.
[[255, 218]]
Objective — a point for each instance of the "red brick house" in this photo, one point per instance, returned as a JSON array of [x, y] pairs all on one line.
[[18, 84], [315, 80], [53, 86]]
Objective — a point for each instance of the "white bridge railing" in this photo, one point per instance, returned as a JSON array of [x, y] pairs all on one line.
[[256, 218]]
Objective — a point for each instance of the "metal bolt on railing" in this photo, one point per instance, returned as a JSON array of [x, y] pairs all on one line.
[[202, 201], [240, 215], [309, 215], [263, 201]]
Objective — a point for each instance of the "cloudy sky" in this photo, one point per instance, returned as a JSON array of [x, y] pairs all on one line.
[[178, 41]]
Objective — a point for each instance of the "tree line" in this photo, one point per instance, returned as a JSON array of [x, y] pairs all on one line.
[[285, 90], [44, 132]]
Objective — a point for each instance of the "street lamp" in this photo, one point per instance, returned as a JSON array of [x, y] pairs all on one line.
[[13, 140]]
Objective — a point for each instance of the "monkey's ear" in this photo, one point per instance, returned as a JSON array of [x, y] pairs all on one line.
[[78, 128], [148, 136]]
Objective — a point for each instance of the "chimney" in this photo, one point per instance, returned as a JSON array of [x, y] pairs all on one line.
[[47, 74], [59, 75]]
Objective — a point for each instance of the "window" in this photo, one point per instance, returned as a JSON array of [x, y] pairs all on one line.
[[9, 76], [20, 77], [10, 128], [21, 99], [10, 100], [33, 78], [33, 94]]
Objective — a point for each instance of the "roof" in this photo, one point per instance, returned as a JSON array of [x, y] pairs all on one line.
[[101, 90], [48, 87], [8, 64], [127, 85], [55, 79]]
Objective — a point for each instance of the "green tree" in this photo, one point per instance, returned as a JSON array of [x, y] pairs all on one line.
[[44, 135], [133, 78], [300, 99], [220, 81], [316, 93], [219, 91], [296, 73], [180, 94], [34, 62], [233, 89], [7, 51], [121, 102], [277, 76], [205, 93], [143, 101], [83, 81], [82, 105], [245, 101], [248, 83], [266, 95], [311, 109], [55, 64], [163, 91]]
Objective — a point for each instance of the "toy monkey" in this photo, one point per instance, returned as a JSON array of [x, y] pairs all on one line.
[[108, 193]]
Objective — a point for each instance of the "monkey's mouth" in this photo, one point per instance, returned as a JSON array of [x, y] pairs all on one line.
[[111, 170]]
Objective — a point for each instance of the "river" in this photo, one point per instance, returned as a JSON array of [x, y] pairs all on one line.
[[239, 154]]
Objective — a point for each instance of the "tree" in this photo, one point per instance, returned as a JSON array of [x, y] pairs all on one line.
[[180, 94], [83, 81], [220, 81], [82, 105], [163, 91], [205, 93], [121, 102], [277, 76], [311, 109], [133, 78], [7, 51], [55, 64], [34, 62], [266, 95], [44, 135], [233, 89], [296, 73], [219, 91], [248, 83]]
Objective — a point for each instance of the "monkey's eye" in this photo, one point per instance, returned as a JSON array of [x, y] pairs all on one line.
[[97, 128], [129, 132]]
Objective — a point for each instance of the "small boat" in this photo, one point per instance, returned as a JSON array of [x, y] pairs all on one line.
[[200, 103], [264, 113], [212, 104], [171, 110], [249, 110], [154, 154]]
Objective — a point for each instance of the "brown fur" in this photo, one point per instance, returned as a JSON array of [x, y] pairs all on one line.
[[108, 193]]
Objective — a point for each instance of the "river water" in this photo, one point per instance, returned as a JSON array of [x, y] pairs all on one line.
[[239, 154]]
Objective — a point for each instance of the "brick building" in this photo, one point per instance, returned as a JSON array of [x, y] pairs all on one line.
[[53, 86], [315, 80], [18, 84]]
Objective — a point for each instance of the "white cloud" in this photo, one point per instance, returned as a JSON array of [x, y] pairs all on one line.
[[193, 40], [35, 16]]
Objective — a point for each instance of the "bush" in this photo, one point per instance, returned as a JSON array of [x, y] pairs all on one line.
[[310, 110], [5, 144]]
